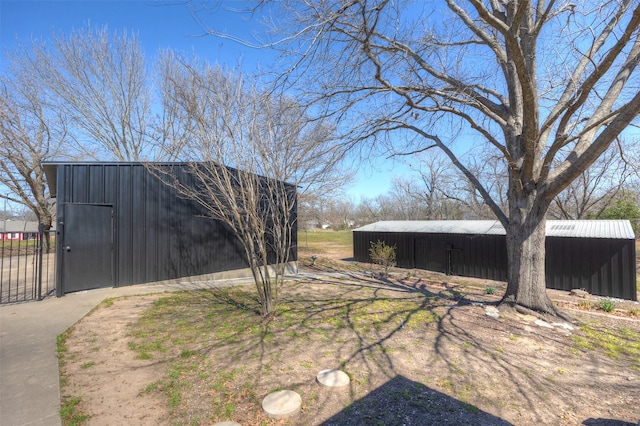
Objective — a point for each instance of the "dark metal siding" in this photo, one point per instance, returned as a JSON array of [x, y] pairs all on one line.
[[603, 267], [600, 266], [158, 235], [478, 256], [404, 250]]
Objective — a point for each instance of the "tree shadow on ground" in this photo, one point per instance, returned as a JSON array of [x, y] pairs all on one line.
[[349, 314], [402, 401], [382, 330]]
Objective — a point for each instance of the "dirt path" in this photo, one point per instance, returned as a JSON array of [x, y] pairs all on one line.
[[101, 369]]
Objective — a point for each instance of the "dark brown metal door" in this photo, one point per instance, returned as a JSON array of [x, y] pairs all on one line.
[[421, 253], [87, 252], [430, 254]]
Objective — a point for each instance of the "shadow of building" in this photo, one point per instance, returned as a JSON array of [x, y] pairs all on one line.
[[401, 401]]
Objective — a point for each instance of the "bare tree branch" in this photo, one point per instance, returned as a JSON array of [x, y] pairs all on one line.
[[32, 130]]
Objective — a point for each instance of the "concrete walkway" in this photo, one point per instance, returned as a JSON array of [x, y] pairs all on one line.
[[29, 381]]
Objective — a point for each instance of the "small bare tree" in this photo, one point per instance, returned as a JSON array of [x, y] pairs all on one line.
[[248, 151], [259, 211]]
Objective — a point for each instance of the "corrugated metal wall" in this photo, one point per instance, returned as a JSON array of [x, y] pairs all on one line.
[[603, 267], [158, 235], [478, 256], [456, 254]]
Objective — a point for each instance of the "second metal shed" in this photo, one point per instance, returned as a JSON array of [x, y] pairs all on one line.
[[596, 255]]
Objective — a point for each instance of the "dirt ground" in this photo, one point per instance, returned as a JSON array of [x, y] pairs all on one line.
[[462, 367]]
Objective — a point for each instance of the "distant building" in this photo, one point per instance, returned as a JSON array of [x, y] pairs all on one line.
[[18, 230]]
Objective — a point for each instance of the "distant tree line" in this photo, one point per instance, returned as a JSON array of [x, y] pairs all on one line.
[[432, 190]]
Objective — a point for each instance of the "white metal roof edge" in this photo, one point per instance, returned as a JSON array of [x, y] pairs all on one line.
[[613, 229]]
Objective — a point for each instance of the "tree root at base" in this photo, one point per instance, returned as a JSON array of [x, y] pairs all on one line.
[[545, 315]]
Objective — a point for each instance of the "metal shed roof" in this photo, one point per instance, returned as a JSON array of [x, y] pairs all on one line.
[[50, 169], [612, 229]]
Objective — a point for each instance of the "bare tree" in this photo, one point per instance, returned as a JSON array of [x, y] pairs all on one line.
[[88, 94], [439, 191], [492, 172], [248, 151], [395, 205], [32, 130], [429, 191], [434, 191], [104, 82], [545, 85], [593, 191], [337, 212], [367, 211]]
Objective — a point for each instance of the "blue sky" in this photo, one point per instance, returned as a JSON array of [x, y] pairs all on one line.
[[162, 24], [159, 24]]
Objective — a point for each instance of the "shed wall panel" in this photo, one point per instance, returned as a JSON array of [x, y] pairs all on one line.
[[95, 184], [151, 208], [436, 253], [601, 266], [139, 220]]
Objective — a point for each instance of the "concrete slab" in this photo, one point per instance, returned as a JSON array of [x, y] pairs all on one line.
[[282, 404], [333, 378], [29, 381]]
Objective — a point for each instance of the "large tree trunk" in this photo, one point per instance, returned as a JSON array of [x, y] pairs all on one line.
[[526, 284]]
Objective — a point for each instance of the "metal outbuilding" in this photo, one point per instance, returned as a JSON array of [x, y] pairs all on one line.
[[596, 255], [118, 224]]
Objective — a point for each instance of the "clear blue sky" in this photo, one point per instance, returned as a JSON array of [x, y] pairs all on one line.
[[161, 24]]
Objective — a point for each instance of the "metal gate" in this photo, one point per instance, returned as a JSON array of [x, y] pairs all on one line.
[[27, 265]]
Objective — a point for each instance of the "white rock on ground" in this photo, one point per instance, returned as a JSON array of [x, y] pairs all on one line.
[[282, 404], [563, 325], [492, 311], [541, 323], [333, 378]]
